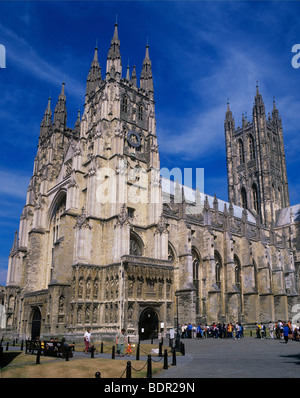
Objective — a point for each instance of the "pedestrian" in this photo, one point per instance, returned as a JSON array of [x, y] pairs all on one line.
[[87, 340], [120, 341], [286, 332], [189, 331], [271, 329], [258, 329]]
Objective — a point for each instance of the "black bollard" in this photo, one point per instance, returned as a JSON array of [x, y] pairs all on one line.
[[160, 350], [165, 359], [92, 351], [128, 370], [137, 353], [101, 350], [66, 353], [7, 345], [1, 356], [38, 356], [151, 340], [174, 356], [182, 349], [22, 345], [149, 367], [98, 375], [113, 354]]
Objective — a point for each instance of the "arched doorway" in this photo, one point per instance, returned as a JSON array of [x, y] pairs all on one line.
[[148, 324], [36, 324]]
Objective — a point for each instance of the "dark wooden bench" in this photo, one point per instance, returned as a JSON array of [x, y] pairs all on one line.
[[50, 348]]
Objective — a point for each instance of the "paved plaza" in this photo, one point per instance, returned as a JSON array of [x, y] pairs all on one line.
[[243, 358], [225, 358]]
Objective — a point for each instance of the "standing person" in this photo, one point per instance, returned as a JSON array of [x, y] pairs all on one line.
[[286, 331], [120, 341], [87, 340], [271, 329]]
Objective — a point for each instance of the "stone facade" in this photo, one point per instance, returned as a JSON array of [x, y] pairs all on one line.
[[104, 242]]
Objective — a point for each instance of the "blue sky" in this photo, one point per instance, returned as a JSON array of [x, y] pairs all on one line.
[[202, 53]]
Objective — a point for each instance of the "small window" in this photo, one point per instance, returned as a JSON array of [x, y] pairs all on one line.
[[241, 152], [251, 148], [244, 198], [140, 112], [125, 104], [255, 198]]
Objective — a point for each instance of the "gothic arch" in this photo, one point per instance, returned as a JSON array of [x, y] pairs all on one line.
[[59, 198], [237, 273], [218, 269], [136, 245], [171, 253]]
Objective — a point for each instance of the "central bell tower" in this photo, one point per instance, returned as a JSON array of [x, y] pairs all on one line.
[[119, 131]]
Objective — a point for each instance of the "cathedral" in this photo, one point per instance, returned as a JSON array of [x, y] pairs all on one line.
[[105, 242]]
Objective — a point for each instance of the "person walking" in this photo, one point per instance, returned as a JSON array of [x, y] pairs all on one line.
[[286, 331], [271, 329], [87, 340], [120, 341]]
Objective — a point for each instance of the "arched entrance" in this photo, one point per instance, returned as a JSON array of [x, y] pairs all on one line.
[[148, 324], [36, 324]]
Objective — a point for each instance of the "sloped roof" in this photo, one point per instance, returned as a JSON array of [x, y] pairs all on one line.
[[168, 188], [284, 215]]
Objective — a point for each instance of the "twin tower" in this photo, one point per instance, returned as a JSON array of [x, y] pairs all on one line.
[[256, 166]]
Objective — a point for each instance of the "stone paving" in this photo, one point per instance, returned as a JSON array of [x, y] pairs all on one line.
[[227, 358], [243, 358]]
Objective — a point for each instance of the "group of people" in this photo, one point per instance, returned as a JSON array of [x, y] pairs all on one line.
[[280, 330], [121, 340], [215, 330]]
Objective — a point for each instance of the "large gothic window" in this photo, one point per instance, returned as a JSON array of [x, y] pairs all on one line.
[[251, 147], [196, 277], [241, 152], [58, 210]]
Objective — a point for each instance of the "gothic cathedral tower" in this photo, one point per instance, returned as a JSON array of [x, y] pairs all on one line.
[[256, 167]]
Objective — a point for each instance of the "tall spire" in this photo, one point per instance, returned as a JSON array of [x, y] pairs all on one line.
[[94, 76], [258, 101], [133, 77], [47, 120], [146, 81], [60, 112], [114, 64]]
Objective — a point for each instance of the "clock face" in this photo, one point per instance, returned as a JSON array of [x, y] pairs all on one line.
[[133, 139]]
